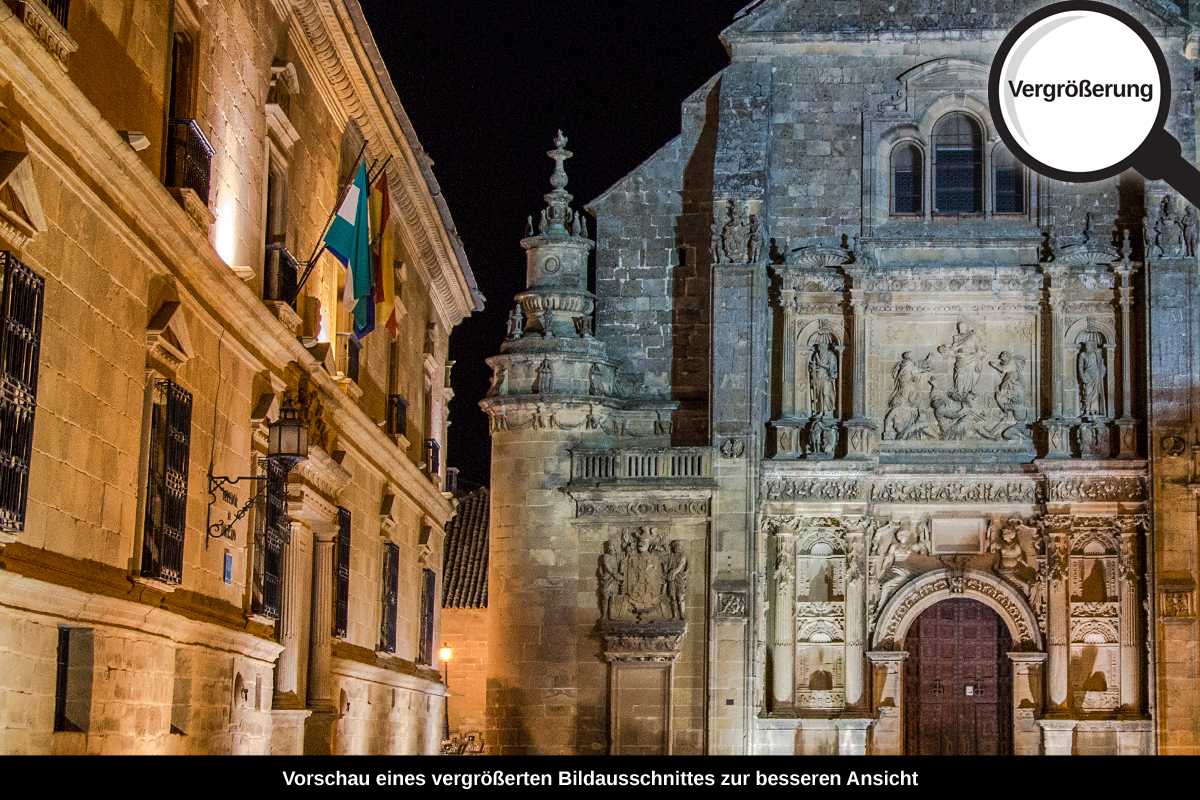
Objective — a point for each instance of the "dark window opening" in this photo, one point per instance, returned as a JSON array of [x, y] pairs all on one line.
[[433, 456], [341, 575], [397, 415], [428, 589], [1010, 183], [906, 180], [957, 166], [391, 594], [166, 489], [73, 680]]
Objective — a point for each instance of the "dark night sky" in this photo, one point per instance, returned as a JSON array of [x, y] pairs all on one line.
[[487, 85]]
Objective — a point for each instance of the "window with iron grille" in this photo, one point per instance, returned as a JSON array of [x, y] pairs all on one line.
[[166, 487], [20, 344], [428, 588], [397, 415], [433, 456], [906, 180], [272, 532], [341, 575], [1009, 181], [391, 594], [957, 166]]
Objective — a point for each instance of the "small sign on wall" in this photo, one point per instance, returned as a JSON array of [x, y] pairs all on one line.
[[228, 568]]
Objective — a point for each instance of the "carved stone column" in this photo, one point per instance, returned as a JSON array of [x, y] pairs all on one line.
[[1131, 679], [320, 639], [1126, 424], [887, 686], [290, 613], [860, 439], [1028, 691], [855, 570], [1058, 613], [1058, 429], [783, 651], [788, 370]]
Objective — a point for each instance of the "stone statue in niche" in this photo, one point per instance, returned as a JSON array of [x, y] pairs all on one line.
[[756, 238], [1148, 248], [1010, 397], [718, 252], [822, 380], [969, 353], [1091, 380], [646, 581], [545, 378], [1191, 231], [907, 417]]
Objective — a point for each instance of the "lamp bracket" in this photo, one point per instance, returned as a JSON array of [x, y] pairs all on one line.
[[223, 529]]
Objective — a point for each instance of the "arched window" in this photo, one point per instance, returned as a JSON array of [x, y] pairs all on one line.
[[1009, 182], [957, 166], [906, 180]]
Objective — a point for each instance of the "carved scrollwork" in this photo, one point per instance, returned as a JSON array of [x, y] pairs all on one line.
[[799, 489]]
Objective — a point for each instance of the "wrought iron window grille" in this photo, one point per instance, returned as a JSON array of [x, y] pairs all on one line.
[[189, 164], [282, 274], [21, 307]]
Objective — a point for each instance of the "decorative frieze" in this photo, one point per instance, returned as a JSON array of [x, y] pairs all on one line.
[[802, 489], [952, 491], [1100, 489]]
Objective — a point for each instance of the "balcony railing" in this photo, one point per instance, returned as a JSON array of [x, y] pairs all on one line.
[[614, 465], [281, 274], [190, 158], [58, 9]]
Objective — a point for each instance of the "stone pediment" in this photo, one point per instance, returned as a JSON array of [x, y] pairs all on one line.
[[824, 16], [167, 335], [21, 216]]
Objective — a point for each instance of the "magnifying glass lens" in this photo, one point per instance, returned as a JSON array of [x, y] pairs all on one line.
[[1080, 91]]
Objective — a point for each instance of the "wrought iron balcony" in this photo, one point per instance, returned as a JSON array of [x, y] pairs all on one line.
[[280, 275], [189, 160], [58, 9]]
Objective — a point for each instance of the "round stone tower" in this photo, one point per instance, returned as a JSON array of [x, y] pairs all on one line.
[[552, 390]]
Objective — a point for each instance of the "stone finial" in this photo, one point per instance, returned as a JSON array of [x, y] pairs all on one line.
[[557, 216]]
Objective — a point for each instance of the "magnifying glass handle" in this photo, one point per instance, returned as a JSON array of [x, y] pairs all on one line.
[[1160, 158]]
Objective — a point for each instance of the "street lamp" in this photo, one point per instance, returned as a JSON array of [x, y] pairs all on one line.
[[287, 446], [444, 654]]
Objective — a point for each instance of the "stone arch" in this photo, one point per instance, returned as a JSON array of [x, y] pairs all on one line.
[[919, 594]]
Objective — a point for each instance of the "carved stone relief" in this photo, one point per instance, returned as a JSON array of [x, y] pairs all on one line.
[[641, 578]]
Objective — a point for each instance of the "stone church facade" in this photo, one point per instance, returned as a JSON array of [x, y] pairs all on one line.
[[868, 439]]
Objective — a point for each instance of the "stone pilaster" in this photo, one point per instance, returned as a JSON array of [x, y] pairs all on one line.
[[855, 629], [1128, 618], [1028, 691], [860, 430], [887, 700], [783, 654], [287, 674], [1058, 429], [1126, 424], [1058, 616]]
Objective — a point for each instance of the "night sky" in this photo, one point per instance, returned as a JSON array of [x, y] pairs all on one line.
[[487, 85]]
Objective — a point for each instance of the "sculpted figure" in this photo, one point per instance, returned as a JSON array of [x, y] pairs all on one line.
[[756, 238], [906, 418], [969, 353], [676, 575], [1012, 562], [1091, 380], [499, 383], [612, 578], [822, 380], [1149, 249], [894, 571], [595, 377], [545, 377], [1169, 235], [1191, 231], [1010, 397]]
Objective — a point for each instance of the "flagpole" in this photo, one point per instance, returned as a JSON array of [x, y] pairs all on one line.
[[371, 179], [320, 246]]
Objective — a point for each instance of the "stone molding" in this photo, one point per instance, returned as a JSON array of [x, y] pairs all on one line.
[[42, 24], [382, 676], [659, 641], [627, 505], [930, 587]]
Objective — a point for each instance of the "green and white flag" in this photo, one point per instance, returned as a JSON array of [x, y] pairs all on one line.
[[349, 239]]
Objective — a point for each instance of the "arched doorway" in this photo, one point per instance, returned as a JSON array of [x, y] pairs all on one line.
[[958, 681]]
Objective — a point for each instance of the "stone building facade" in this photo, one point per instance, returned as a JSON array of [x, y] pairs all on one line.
[[868, 439], [168, 167]]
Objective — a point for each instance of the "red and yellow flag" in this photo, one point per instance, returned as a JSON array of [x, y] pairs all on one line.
[[381, 255]]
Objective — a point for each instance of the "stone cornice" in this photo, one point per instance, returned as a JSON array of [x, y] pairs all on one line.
[[89, 157]]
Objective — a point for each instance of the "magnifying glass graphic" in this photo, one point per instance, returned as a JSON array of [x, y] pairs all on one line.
[[1080, 91]]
